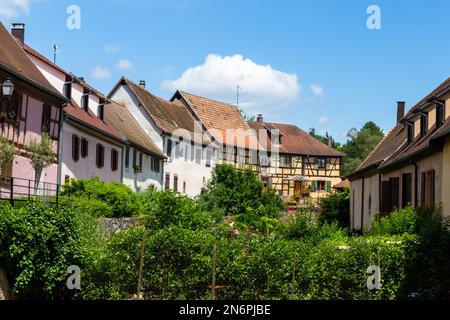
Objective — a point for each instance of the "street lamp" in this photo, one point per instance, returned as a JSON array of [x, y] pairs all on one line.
[[8, 88]]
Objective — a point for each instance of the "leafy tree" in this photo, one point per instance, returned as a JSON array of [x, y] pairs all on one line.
[[41, 156], [7, 151], [234, 191], [335, 208], [324, 139], [359, 145]]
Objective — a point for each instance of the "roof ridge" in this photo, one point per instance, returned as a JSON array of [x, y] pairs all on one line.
[[209, 99]]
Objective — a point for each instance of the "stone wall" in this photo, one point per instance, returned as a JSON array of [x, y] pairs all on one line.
[[4, 287], [109, 226]]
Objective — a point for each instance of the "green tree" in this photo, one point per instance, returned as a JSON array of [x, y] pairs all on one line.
[[359, 145], [7, 152], [324, 139], [41, 156]]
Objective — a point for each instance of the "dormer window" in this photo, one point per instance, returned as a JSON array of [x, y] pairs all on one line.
[[101, 109], [440, 113], [423, 124], [410, 130], [85, 100], [68, 87]]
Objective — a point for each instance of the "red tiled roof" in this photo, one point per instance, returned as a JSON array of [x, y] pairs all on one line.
[[223, 120], [169, 116], [89, 118], [123, 120], [73, 110], [294, 140], [14, 59]]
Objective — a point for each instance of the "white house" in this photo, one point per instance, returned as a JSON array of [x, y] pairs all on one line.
[[174, 130]]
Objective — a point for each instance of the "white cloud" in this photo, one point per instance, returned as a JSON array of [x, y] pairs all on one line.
[[14, 8], [323, 120], [125, 65], [317, 90], [111, 48], [101, 73], [264, 89]]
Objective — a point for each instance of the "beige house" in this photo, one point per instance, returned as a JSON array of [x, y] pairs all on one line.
[[410, 166], [301, 166]]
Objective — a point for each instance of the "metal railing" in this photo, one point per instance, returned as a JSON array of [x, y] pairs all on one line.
[[17, 189]]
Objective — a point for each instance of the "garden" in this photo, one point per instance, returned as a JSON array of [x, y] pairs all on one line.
[[234, 241]]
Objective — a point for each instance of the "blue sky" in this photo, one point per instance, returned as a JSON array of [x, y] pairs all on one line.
[[312, 63]]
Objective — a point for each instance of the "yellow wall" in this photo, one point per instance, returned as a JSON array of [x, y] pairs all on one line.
[[446, 179]]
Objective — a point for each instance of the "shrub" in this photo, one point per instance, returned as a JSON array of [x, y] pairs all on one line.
[[397, 223], [336, 208], [122, 200], [38, 244], [168, 208]]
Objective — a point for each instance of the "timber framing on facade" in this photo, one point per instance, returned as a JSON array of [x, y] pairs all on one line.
[[410, 166]]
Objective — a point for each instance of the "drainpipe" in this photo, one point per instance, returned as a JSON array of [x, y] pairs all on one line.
[[416, 183], [60, 145], [362, 204]]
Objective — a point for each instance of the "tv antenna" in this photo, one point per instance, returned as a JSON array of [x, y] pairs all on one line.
[[239, 93], [56, 49]]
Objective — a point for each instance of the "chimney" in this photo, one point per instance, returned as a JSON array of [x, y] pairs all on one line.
[[18, 31], [400, 111], [260, 118], [142, 84]]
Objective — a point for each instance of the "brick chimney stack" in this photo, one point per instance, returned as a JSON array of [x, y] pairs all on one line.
[[400, 111], [18, 31]]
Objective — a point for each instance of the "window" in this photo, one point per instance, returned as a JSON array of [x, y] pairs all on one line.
[[169, 147], [321, 185], [428, 188], [10, 107], [440, 113], [410, 128], [114, 160], [100, 156], [85, 100], [175, 183], [167, 182], [423, 124], [198, 155], [75, 148], [46, 118], [68, 87], [390, 197], [321, 163], [208, 158], [84, 148], [101, 110], [134, 158], [155, 164], [184, 187], [286, 161], [127, 157], [406, 189]]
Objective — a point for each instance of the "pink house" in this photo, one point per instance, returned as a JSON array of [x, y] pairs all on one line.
[[29, 107], [91, 145]]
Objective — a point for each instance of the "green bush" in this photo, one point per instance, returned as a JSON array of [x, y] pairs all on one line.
[[336, 208], [168, 208], [120, 198], [397, 223], [38, 244], [233, 191]]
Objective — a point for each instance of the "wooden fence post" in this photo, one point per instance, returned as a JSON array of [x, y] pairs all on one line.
[[214, 260], [141, 263]]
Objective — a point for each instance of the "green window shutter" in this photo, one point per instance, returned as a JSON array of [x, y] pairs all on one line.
[[314, 186], [328, 186]]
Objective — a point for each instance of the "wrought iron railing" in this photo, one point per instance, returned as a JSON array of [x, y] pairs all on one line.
[[17, 189]]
